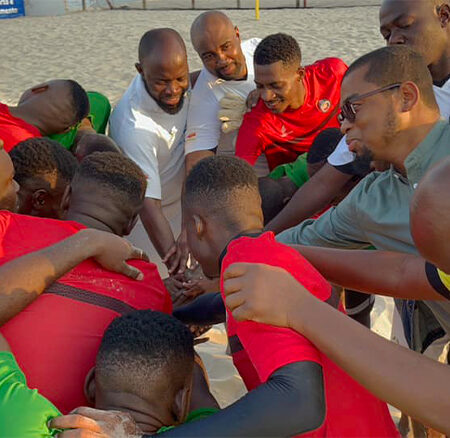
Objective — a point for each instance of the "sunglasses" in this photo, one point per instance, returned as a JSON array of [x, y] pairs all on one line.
[[348, 111]]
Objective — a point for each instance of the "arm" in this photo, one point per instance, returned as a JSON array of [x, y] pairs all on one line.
[[193, 158], [403, 275], [291, 402], [25, 278], [384, 368], [157, 226], [310, 198]]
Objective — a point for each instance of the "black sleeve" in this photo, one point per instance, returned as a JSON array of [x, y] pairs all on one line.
[[291, 402], [205, 310]]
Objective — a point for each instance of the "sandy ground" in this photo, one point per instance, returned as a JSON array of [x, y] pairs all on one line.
[[99, 49]]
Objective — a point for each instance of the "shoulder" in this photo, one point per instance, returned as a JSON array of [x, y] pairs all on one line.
[[249, 46], [327, 66]]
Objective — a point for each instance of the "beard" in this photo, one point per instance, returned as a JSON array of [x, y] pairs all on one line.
[[171, 109]]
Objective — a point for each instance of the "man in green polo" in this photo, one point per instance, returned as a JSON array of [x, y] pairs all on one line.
[[389, 113]]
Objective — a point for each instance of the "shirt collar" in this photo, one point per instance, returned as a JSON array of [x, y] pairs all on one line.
[[417, 161], [243, 234]]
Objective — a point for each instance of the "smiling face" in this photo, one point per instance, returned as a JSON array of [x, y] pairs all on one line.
[[280, 85], [419, 24], [166, 79], [218, 44], [370, 136]]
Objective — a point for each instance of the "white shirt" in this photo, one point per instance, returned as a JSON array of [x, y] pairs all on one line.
[[341, 155], [153, 139], [203, 126]]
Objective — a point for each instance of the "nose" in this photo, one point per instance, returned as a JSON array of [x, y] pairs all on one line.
[[172, 88], [267, 95], [221, 59], [345, 126], [396, 38]]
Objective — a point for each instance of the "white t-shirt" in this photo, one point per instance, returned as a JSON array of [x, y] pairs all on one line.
[[203, 126], [153, 139], [341, 155]]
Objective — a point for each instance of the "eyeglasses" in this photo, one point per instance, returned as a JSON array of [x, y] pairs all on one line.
[[348, 109]]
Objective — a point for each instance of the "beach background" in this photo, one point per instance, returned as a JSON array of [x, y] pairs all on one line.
[[98, 48]]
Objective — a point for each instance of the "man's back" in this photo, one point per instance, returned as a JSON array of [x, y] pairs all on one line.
[[56, 338], [270, 348]]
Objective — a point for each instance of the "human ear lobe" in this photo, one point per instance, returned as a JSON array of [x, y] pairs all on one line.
[[444, 14], [301, 73], [65, 200], [181, 402], [138, 67], [89, 386], [410, 95], [199, 226], [39, 199], [39, 89]]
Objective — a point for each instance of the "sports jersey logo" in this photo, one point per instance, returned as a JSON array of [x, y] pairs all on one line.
[[324, 105]]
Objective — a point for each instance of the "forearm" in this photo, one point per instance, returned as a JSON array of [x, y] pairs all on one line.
[[194, 157], [157, 226], [25, 278], [205, 310], [291, 402], [412, 383], [387, 273], [316, 194]]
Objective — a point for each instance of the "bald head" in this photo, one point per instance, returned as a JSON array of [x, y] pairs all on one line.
[[217, 42], [161, 41], [164, 68], [430, 223]]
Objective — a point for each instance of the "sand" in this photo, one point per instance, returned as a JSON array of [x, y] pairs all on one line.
[[99, 49]]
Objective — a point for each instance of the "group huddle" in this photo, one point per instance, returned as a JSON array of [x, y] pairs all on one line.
[[273, 197]]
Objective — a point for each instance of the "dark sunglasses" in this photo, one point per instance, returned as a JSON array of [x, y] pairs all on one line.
[[348, 110]]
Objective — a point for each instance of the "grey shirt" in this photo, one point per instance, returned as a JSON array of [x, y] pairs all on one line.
[[376, 211]]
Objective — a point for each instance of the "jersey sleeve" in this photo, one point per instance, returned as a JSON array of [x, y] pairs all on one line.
[[142, 147], [24, 412], [249, 143], [270, 348], [341, 155], [439, 280], [203, 126]]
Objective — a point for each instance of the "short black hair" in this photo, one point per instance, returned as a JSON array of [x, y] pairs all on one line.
[[397, 64], [122, 179], [95, 143], [40, 156], [278, 47], [143, 347], [217, 183], [80, 100], [323, 145]]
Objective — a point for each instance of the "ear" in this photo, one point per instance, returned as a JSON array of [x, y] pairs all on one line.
[[138, 67], [200, 226], [410, 95], [129, 227], [65, 200], [300, 74], [39, 89], [182, 402], [89, 386], [238, 35], [444, 14], [40, 199]]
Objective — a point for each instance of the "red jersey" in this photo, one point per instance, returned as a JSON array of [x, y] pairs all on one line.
[[260, 349], [283, 137], [56, 338], [14, 130]]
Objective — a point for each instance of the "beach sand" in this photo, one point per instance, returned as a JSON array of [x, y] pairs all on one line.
[[99, 50]]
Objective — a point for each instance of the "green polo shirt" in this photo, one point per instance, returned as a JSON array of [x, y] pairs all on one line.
[[376, 211], [24, 413]]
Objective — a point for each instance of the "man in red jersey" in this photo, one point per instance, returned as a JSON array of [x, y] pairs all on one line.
[[296, 103], [49, 108], [56, 338]]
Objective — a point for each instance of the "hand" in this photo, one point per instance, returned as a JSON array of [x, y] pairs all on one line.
[[178, 254], [262, 293], [252, 99], [176, 290], [112, 252], [93, 423], [231, 112]]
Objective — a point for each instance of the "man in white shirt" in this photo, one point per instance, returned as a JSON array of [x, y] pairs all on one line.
[[149, 125], [227, 69], [425, 27]]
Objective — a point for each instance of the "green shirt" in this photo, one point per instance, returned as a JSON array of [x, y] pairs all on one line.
[[297, 171], [376, 211], [193, 416], [24, 413]]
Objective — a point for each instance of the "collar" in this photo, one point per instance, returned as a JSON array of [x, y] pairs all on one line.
[[417, 162], [243, 234]]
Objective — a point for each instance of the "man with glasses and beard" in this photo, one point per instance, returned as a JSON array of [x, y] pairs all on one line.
[[148, 124]]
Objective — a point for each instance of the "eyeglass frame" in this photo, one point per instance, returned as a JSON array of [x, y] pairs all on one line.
[[348, 111]]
